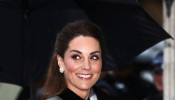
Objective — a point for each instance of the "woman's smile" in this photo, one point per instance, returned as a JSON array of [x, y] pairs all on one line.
[[84, 76]]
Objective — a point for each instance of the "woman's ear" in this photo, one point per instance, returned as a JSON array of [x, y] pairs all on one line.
[[60, 64], [60, 60]]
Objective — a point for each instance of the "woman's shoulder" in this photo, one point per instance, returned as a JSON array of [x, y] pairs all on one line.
[[101, 95], [55, 98]]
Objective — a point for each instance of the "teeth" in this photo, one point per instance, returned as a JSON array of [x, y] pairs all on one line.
[[84, 76]]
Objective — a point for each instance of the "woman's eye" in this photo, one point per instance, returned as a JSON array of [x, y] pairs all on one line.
[[95, 57], [76, 57]]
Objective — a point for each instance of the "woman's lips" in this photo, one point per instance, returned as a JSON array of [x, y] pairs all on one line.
[[84, 76]]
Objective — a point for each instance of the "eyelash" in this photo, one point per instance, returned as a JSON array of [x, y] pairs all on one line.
[[95, 58], [92, 57], [75, 57]]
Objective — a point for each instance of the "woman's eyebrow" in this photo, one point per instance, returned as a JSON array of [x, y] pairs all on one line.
[[94, 52], [76, 51]]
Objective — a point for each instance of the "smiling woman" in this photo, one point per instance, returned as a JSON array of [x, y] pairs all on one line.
[[81, 69], [76, 63]]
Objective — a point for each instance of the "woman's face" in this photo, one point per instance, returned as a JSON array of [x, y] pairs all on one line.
[[82, 63]]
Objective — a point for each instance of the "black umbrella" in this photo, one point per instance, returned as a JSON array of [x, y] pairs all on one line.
[[28, 29], [128, 29]]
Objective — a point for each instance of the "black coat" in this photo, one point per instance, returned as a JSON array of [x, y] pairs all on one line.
[[154, 95], [70, 95]]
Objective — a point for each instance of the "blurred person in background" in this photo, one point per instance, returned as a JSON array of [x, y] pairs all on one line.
[[157, 91], [125, 83], [129, 84]]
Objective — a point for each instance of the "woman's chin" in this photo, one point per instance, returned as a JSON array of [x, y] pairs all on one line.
[[85, 87]]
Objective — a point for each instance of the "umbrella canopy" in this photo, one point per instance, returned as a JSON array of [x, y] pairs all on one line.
[[128, 29], [28, 29]]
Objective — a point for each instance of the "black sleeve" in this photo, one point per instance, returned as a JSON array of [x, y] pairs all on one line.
[[101, 95]]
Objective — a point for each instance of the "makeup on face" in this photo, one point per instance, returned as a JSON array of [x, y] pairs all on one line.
[[82, 63]]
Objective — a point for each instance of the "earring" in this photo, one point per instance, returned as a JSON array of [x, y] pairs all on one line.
[[61, 70]]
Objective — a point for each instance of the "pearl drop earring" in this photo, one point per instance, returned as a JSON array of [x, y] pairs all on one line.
[[61, 70]]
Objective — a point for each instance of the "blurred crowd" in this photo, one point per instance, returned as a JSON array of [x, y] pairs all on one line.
[[130, 83]]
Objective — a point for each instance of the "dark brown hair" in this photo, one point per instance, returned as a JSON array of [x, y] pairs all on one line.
[[55, 81]]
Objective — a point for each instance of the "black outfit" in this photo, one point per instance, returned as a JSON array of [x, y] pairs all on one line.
[[154, 95], [70, 95], [101, 95]]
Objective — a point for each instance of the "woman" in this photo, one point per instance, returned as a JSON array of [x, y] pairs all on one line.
[[76, 63]]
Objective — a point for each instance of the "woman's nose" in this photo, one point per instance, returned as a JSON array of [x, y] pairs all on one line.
[[86, 65]]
